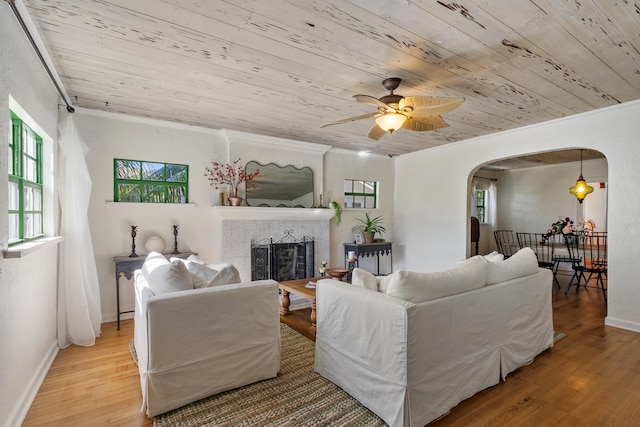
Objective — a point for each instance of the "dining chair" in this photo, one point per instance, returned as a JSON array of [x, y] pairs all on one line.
[[588, 251], [507, 242], [541, 247], [560, 254]]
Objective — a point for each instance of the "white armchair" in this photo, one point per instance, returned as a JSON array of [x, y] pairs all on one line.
[[195, 343]]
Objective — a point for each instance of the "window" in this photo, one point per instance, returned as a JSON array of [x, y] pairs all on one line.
[[360, 194], [25, 182], [150, 182], [481, 205]]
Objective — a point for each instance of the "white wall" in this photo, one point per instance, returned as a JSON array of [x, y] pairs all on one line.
[[280, 151], [341, 165], [28, 286], [110, 136], [434, 226], [531, 199]]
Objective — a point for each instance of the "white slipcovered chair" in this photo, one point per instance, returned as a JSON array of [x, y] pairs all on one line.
[[195, 342]]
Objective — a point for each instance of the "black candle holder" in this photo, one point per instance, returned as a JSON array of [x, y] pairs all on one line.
[[134, 229], [175, 240]]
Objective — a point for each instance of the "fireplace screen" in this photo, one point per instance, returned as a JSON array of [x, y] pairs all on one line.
[[286, 259]]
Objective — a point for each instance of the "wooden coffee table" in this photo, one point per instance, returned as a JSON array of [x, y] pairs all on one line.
[[299, 288]]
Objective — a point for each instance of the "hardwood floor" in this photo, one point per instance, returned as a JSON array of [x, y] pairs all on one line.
[[92, 386], [590, 378]]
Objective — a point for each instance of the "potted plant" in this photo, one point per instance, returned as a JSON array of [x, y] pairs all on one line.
[[369, 227], [338, 210]]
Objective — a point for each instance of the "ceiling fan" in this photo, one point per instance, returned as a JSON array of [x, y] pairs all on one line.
[[416, 113]]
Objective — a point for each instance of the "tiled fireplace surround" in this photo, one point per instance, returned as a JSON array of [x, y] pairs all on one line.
[[238, 226]]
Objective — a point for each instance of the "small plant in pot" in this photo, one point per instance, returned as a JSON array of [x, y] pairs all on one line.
[[369, 227]]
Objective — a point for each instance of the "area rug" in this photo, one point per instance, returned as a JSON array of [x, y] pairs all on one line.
[[132, 350], [296, 397], [557, 336]]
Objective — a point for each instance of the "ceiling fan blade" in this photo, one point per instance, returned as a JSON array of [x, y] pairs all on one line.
[[370, 100], [423, 106], [376, 132], [351, 119], [423, 124]]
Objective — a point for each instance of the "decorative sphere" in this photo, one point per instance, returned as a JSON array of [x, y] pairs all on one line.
[[155, 243]]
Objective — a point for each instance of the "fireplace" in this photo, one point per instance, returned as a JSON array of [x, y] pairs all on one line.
[[288, 258], [236, 228]]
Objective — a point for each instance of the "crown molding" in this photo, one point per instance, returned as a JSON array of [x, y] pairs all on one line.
[[235, 137]]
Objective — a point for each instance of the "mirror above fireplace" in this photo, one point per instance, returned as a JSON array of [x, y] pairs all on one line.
[[280, 186]]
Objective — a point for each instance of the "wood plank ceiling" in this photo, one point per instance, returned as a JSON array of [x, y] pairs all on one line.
[[283, 67]]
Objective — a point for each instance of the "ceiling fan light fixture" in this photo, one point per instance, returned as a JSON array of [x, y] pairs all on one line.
[[391, 121], [413, 113]]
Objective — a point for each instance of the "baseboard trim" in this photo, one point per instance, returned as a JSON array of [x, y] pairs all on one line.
[[17, 416], [622, 324]]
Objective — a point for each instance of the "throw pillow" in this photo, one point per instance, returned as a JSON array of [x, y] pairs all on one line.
[[194, 258], [383, 283], [207, 275], [419, 287], [494, 256], [153, 261], [522, 263], [201, 275], [360, 277], [475, 259], [164, 276], [227, 274]]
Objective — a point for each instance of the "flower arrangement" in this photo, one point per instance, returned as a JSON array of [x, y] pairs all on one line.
[[561, 226], [231, 174], [566, 226]]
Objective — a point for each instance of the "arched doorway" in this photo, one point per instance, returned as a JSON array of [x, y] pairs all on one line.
[[528, 193]]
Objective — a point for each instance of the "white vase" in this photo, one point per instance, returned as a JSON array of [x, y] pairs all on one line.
[[155, 243]]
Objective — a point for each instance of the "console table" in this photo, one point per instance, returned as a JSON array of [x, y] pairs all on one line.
[[369, 249], [127, 265]]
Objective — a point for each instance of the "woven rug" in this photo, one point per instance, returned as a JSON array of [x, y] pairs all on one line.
[[296, 397], [132, 350]]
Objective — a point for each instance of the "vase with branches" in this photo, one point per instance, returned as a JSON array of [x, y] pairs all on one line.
[[231, 175]]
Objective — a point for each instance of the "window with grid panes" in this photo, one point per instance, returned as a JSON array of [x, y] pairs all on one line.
[[150, 182], [481, 205], [25, 182], [360, 194]]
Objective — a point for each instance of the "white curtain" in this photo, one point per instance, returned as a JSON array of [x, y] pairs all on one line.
[[79, 312], [491, 206]]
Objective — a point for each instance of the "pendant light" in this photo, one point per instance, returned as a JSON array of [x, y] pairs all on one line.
[[581, 188]]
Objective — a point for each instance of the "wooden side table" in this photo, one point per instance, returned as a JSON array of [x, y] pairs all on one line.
[[369, 249], [126, 265]]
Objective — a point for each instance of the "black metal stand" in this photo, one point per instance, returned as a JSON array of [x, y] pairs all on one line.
[[368, 249], [133, 241], [175, 240]]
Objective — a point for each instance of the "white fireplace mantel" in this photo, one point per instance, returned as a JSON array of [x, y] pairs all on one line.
[[271, 214], [234, 228]]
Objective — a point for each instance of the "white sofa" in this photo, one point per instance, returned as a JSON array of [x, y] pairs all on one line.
[[193, 343], [410, 362]]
